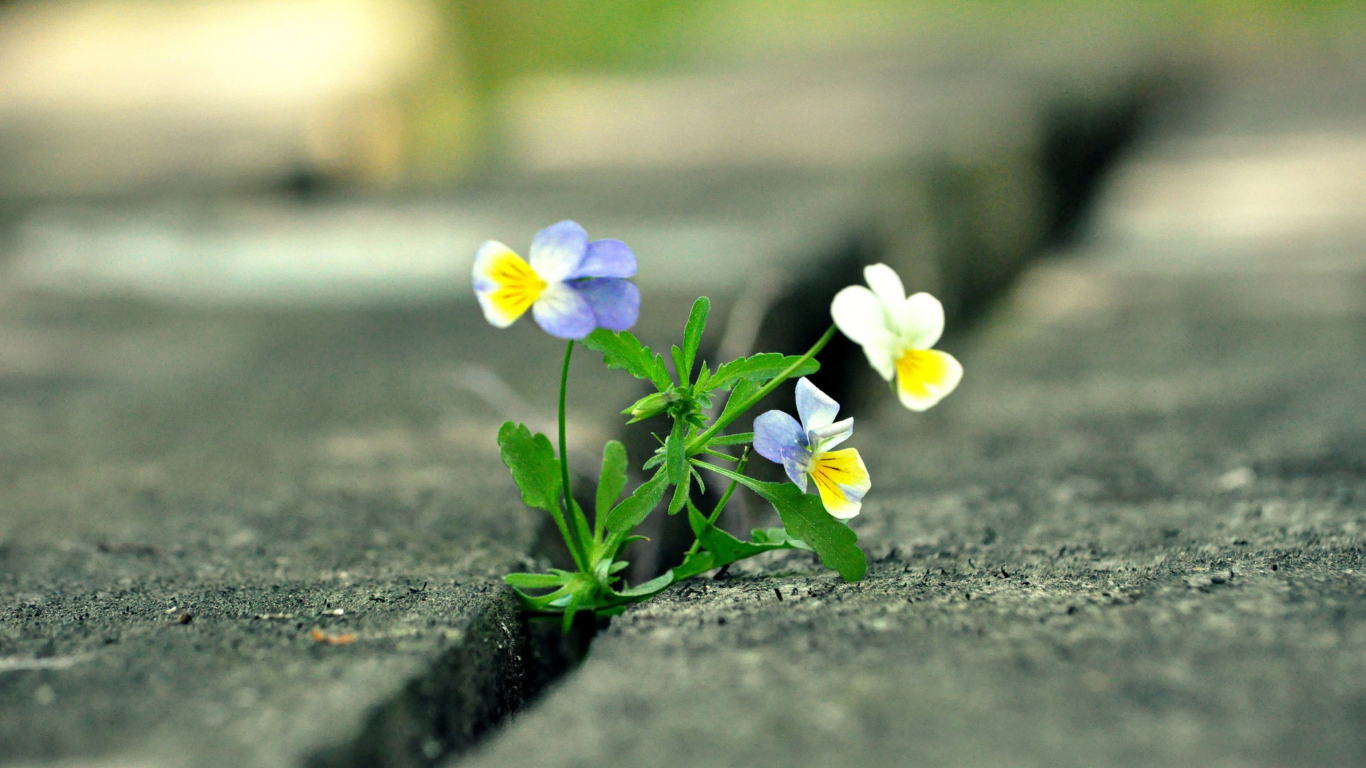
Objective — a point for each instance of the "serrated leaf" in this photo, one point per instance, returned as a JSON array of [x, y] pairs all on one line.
[[613, 477], [743, 391], [759, 368], [535, 580], [637, 506], [692, 334], [805, 518], [621, 350], [533, 465], [739, 438]]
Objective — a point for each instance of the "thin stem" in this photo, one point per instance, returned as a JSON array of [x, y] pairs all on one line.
[[576, 545], [720, 505], [722, 423]]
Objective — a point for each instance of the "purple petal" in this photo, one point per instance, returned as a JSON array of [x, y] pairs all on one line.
[[564, 312], [816, 408], [797, 462], [558, 250], [775, 434], [615, 302], [607, 258]]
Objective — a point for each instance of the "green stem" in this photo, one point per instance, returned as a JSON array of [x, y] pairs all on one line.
[[576, 543], [720, 505], [720, 424]]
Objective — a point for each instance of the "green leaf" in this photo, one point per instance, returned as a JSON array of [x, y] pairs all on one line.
[[569, 611], [759, 368], [692, 333], [637, 506], [623, 351], [743, 391], [697, 562], [613, 477], [675, 451], [652, 587], [535, 580], [777, 536], [681, 492], [533, 465], [681, 367], [701, 388], [739, 438], [805, 518], [724, 547]]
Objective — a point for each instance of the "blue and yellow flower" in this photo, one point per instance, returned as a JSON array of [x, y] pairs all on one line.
[[804, 450], [897, 332], [571, 285]]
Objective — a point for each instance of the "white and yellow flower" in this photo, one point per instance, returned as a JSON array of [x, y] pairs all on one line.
[[804, 450], [571, 285], [897, 332]]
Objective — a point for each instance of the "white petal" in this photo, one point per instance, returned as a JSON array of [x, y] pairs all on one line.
[[859, 315], [815, 408], [885, 284], [831, 435], [920, 321], [881, 356], [558, 250]]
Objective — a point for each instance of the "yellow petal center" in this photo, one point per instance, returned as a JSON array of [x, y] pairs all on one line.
[[835, 471], [518, 285], [920, 369]]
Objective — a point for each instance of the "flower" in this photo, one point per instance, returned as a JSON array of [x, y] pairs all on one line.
[[896, 332], [571, 285], [804, 450]]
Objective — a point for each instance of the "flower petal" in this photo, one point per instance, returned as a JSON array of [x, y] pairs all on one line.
[[885, 283], [842, 480], [564, 312], [558, 250], [920, 321], [774, 433], [607, 258], [505, 285], [615, 302], [859, 314], [925, 376], [831, 435], [797, 463], [816, 408]]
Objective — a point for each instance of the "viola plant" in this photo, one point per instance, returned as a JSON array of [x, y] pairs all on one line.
[[579, 290]]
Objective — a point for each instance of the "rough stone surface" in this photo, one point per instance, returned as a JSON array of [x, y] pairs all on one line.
[[189, 495], [1135, 536]]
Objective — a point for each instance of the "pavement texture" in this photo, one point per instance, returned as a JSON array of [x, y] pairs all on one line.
[[1136, 535], [237, 538]]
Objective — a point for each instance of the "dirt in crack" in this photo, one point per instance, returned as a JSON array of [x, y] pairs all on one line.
[[501, 664]]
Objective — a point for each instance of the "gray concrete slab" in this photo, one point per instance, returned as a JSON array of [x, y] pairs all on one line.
[[190, 495], [1135, 536]]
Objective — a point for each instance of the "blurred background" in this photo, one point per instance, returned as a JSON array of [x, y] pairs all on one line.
[[169, 102], [199, 196]]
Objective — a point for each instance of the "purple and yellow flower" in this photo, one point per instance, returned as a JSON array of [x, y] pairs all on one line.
[[804, 450], [571, 285], [897, 332]]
